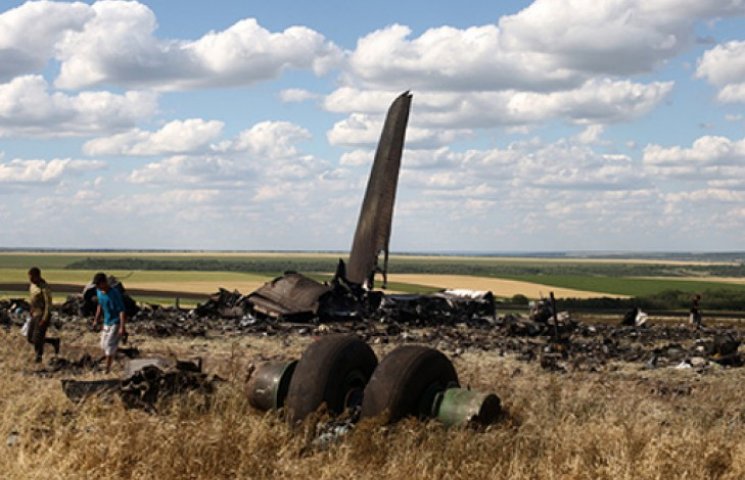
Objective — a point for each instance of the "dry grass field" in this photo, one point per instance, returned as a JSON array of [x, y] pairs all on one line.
[[499, 286], [624, 423]]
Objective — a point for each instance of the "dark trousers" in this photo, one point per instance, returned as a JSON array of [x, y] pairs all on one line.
[[37, 336]]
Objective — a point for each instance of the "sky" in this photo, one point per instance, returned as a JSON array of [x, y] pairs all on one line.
[[552, 125]]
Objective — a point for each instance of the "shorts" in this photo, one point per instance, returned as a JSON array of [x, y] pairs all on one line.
[[110, 339]]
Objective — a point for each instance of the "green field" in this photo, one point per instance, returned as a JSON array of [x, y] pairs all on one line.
[[205, 272], [633, 287], [56, 269], [163, 277]]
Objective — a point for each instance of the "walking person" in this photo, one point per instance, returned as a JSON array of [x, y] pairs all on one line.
[[111, 307], [40, 300], [696, 318]]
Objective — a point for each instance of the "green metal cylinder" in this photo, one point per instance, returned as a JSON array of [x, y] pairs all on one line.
[[460, 406], [267, 388]]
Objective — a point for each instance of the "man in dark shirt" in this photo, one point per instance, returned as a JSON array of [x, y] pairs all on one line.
[[40, 299], [696, 311]]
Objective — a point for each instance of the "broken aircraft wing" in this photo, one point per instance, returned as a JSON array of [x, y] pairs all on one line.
[[374, 225]]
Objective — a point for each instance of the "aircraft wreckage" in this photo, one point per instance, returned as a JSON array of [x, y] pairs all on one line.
[[350, 294], [339, 371], [342, 372]]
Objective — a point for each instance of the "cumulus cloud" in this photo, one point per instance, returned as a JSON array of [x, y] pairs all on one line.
[[708, 156], [591, 134], [357, 158], [158, 203], [186, 169], [561, 165], [448, 58], [29, 33], [297, 95], [270, 140], [360, 129], [29, 108], [724, 67], [115, 43], [267, 150], [534, 191], [118, 45], [549, 45], [572, 167], [23, 171], [552, 60], [450, 114], [563, 179], [619, 38], [177, 136]]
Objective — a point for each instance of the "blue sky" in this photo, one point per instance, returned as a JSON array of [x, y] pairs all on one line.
[[536, 126]]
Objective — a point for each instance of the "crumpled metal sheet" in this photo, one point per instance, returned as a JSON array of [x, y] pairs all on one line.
[[374, 225], [224, 303], [146, 381], [79, 390], [292, 294]]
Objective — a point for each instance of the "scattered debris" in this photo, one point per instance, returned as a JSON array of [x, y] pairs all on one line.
[[61, 364], [146, 382], [451, 324], [223, 304], [634, 317], [13, 311], [80, 390], [13, 439], [150, 384], [437, 309], [724, 349]]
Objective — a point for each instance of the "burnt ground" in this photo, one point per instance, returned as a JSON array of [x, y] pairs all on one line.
[[588, 343]]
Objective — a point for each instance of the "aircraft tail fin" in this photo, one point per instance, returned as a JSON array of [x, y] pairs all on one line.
[[376, 216]]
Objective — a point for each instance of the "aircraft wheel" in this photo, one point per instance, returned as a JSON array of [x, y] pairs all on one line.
[[406, 383], [333, 370]]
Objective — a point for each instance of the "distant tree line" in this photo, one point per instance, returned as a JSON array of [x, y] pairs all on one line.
[[712, 299], [479, 267]]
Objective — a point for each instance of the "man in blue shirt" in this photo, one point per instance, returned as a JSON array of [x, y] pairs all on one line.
[[111, 307]]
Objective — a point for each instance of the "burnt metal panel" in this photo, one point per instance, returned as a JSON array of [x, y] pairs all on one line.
[[374, 225], [290, 294]]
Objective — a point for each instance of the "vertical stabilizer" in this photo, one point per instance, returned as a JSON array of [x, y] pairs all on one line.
[[374, 225]]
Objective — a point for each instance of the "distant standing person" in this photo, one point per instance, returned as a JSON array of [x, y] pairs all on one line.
[[111, 307], [40, 299], [696, 311]]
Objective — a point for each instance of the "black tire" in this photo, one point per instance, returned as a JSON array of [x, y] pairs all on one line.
[[332, 371], [406, 382]]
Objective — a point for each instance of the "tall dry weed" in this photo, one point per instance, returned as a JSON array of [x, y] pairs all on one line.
[[614, 425]]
